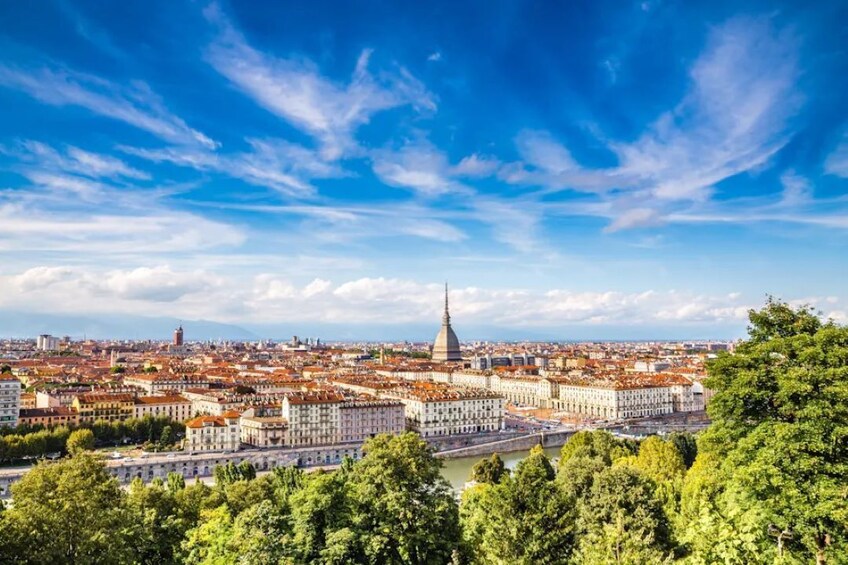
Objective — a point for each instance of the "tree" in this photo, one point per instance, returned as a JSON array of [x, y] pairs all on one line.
[[176, 482], [71, 511], [403, 508], [159, 528], [80, 441], [597, 443], [622, 521], [523, 519], [780, 415], [686, 446], [489, 470], [322, 507], [259, 536], [166, 438]]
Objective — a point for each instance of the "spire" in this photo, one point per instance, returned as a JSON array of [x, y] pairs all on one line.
[[446, 316]]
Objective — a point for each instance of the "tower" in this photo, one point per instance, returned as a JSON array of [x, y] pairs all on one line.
[[178, 335], [446, 346]]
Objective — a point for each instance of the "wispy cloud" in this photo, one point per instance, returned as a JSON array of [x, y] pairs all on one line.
[[294, 88], [135, 104], [418, 165], [734, 119], [837, 162], [74, 160], [273, 163]]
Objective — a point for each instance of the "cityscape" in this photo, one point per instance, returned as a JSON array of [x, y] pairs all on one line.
[[439, 283]]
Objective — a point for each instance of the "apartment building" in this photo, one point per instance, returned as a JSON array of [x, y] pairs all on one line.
[[94, 406], [10, 399], [313, 418], [49, 417], [174, 407], [613, 399], [363, 418], [435, 409], [213, 433], [155, 383]]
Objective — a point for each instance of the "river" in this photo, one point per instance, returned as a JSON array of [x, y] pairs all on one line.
[[458, 471]]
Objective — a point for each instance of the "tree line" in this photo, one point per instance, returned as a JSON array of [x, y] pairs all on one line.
[[40, 441], [766, 483]]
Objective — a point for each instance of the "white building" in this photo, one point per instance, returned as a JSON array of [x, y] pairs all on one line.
[[433, 409], [613, 400], [213, 433], [10, 399], [46, 342], [174, 407]]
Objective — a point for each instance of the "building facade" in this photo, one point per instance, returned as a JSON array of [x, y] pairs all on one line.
[[213, 433], [174, 407], [10, 399]]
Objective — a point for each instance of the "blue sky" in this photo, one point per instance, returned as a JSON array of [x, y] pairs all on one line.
[[655, 166]]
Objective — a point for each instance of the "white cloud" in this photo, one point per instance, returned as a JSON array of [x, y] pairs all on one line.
[[28, 230], [419, 166], [236, 297], [435, 57], [135, 104], [735, 117], [635, 218], [273, 163], [476, 166], [74, 160], [796, 189], [295, 89], [837, 162]]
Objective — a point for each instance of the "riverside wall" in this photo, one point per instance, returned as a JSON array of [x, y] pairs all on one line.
[[518, 443]]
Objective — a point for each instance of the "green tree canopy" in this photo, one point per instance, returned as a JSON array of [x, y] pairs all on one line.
[[79, 441], [71, 511], [404, 509], [489, 470], [780, 429]]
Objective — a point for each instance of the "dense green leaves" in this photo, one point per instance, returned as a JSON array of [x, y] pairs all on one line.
[[779, 437]]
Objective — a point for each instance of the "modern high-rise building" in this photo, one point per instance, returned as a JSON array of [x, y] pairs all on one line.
[[46, 342], [178, 335], [10, 399], [446, 346]]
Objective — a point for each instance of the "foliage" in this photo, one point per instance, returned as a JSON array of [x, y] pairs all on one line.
[[597, 443], [404, 509], [779, 436], [70, 511], [489, 470], [622, 521], [79, 441], [525, 518], [686, 445]]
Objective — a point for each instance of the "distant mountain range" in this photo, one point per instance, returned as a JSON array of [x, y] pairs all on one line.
[[28, 324]]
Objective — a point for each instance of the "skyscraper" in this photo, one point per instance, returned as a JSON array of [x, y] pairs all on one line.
[[446, 346], [178, 335]]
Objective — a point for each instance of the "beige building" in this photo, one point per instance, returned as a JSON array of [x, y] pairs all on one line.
[[263, 431], [213, 433], [613, 400], [434, 409], [360, 419], [174, 407], [313, 418], [94, 406]]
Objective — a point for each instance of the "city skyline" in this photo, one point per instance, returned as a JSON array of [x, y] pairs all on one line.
[[624, 171]]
